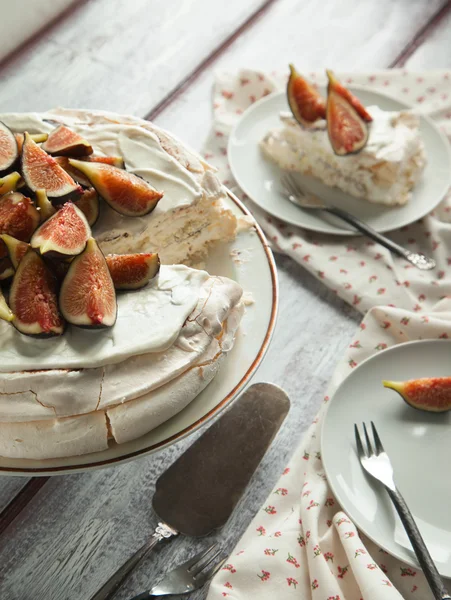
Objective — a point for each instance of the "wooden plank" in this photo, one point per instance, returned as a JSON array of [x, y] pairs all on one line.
[[9, 488], [119, 56]]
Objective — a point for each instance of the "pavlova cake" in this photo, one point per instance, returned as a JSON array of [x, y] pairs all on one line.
[[106, 330], [370, 153]]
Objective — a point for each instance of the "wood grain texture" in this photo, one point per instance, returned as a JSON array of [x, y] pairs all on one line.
[[78, 529]]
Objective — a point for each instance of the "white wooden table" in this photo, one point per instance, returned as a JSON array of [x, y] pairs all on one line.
[[61, 537]]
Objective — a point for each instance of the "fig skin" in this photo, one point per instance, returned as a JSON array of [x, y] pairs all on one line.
[[6, 314], [18, 216], [87, 297], [46, 208], [36, 137], [6, 268], [9, 152], [306, 103], [132, 271], [348, 132], [126, 193], [16, 249], [340, 89], [33, 298], [64, 234], [429, 394], [41, 171], [62, 141], [9, 183], [89, 205]]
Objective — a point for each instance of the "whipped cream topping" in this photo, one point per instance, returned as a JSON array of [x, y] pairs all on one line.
[[149, 320]]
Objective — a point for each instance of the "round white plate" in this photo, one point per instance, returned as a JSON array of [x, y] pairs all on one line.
[[259, 178], [418, 443], [249, 261]]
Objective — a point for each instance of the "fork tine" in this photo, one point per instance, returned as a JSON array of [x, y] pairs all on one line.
[[189, 564], [287, 184], [358, 441], [368, 441], [295, 184], [211, 572], [203, 564], [377, 439]]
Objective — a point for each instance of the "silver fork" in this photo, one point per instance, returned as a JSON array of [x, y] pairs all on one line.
[[296, 194], [377, 463], [189, 576]]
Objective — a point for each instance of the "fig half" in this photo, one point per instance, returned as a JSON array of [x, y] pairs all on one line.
[[63, 234], [18, 216], [306, 103], [115, 161], [33, 298], [36, 137], [348, 96], [89, 205], [87, 296], [9, 152], [126, 193], [16, 249], [6, 314], [348, 132], [41, 171], [431, 394], [78, 176], [46, 208], [62, 141], [9, 183], [132, 271]]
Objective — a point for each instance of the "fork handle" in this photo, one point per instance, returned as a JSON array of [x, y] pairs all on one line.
[[418, 260], [422, 553], [109, 589]]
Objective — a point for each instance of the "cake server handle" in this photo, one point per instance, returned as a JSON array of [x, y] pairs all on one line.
[[418, 260]]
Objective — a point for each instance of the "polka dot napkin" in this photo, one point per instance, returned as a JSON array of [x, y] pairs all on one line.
[[300, 543]]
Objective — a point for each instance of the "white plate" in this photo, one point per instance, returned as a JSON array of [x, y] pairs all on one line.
[[259, 178], [251, 265], [418, 443]]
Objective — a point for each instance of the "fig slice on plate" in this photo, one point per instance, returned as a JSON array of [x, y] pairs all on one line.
[[340, 89], [9, 152], [89, 205], [348, 132], [6, 268], [87, 296], [9, 183], [41, 171], [16, 249], [63, 234], [126, 193], [132, 271], [46, 208], [431, 394], [6, 314], [62, 141], [36, 137], [114, 161], [306, 103], [33, 298], [18, 216]]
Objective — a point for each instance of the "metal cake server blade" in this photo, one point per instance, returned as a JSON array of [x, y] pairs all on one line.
[[199, 491]]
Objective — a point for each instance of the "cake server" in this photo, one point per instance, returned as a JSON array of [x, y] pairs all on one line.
[[296, 195], [198, 493]]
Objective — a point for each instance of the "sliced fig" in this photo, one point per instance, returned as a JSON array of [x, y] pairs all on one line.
[[6, 268], [132, 271], [36, 137], [63, 141], [9, 153], [6, 314], [306, 103], [18, 216], [64, 234], [128, 194], [33, 298], [115, 161], [89, 205], [431, 394], [340, 89], [41, 171], [348, 132], [16, 249], [9, 183], [77, 175], [46, 208], [87, 297]]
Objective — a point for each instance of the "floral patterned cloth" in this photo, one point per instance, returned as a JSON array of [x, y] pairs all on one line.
[[301, 544]]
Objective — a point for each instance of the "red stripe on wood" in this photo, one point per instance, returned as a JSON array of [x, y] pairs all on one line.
[[20, 501]]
